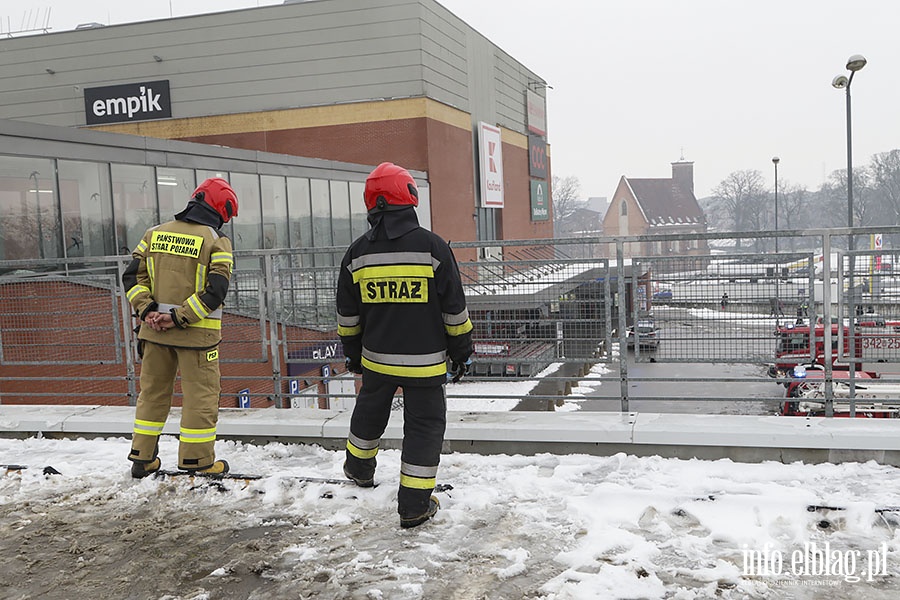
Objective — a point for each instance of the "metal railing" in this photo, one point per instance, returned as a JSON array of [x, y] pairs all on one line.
[[555, 320]]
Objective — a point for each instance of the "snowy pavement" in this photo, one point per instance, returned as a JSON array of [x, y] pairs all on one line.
[[552, 527]]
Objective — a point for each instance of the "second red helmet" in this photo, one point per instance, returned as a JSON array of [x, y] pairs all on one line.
[[390, 185], [217, 193]]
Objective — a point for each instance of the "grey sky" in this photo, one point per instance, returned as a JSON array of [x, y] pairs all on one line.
[[636, 84]]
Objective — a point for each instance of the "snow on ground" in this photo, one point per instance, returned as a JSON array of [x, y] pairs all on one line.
[[553, 527], [481, 396]]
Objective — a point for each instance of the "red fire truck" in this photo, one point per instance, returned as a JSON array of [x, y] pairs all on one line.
[[877, 344]]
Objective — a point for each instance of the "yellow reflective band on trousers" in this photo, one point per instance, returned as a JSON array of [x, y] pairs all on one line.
[[418, 483], [148, 427], [359, 452], [406, 371], [197, 436]]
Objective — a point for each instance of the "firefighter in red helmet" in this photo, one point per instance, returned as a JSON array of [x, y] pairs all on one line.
[[177, 282], [401, 315]]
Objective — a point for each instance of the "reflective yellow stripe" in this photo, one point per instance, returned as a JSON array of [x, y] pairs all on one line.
[[458, 329], [151, 271], [359, 452], [393, 271], [141, 247], [197, 307], [419, 372], [138, 289], [222, 257], [200, 278], [207, 324], [348, 331], [148, 427], [419, 483], [197, 436]]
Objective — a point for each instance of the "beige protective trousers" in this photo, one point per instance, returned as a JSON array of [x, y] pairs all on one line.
[[201, 385]]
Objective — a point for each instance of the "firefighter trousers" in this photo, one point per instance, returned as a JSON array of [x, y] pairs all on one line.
[[200, 384], [424, 424]]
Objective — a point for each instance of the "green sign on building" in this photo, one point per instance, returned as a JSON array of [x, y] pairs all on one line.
[[540, 200]]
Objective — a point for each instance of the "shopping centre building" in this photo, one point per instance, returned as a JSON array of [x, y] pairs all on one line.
[[293, 103]]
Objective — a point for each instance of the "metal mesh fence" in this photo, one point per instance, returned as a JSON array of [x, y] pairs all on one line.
[[723, 309], [544, 312], [60, 320]]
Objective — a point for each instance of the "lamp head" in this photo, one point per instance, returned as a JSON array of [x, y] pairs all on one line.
[[840, 82], [856, 62], [776, 160]]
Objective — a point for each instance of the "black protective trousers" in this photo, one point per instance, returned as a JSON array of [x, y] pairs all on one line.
[[424, 424]]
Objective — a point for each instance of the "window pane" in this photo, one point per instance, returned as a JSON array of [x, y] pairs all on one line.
[[86, 208], [29, 209], [248, 223], [300, 216], [424, 210], [174, 188], [358, 223], [321, 216], [135, 200], [274, 201], [340, 213]]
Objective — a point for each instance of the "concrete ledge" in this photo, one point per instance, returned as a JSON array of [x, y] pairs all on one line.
[[739, 437], [767, 431]]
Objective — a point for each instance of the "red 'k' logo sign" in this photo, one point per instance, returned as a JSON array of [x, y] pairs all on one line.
[[492, 146]]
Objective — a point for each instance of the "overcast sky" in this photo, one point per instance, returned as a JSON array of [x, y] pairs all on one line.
[[638, 84]]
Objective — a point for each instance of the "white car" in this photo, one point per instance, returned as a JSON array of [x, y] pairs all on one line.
[[646, 332]]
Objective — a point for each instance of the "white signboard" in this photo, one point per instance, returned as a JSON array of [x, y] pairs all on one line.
[[537, 113], [491, 159]]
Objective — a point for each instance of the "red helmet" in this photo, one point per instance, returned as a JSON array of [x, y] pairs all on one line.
[[389, 184], [216, 192]]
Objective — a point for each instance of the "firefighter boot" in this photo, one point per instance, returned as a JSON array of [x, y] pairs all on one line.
[[360, 470], [220, 467], [408, 522], [139, 470]]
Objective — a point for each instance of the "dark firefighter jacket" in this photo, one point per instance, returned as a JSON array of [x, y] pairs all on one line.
[[400, 302], [182, 268]]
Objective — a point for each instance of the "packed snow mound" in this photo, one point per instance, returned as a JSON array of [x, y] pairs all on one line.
[[554, 527]]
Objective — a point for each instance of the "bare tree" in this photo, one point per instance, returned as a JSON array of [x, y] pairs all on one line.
[[793, 204], [566, 194], [885, 168], [743, 194], [835, 193]]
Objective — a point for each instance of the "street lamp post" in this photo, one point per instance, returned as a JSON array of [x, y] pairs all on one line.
[[775, 161], [854, 64]]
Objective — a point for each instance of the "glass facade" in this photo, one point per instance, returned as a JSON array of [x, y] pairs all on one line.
[[135, 199], [29, 209], [58, 208]]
